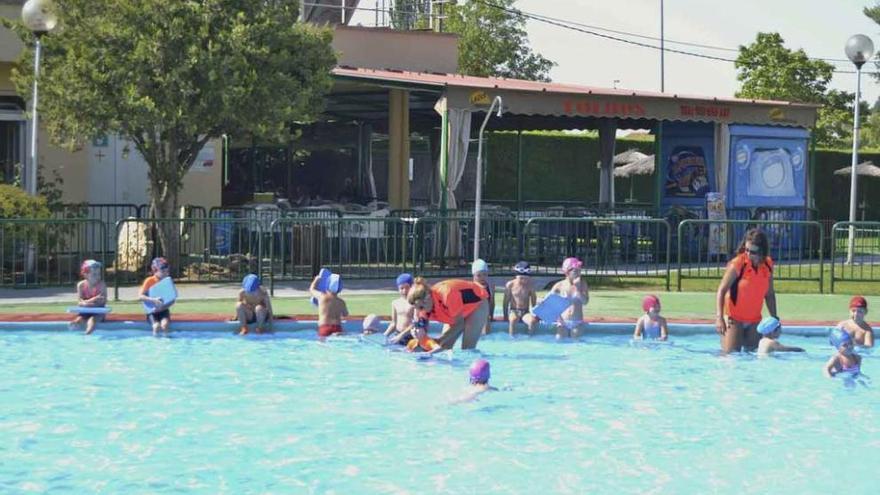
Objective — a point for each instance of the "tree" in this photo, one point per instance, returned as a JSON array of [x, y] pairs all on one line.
[[768, 70], [170, 75], [493, 41]]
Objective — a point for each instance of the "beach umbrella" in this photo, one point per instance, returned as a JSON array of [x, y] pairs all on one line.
[[865, 168], [628, 156], [642, 166]]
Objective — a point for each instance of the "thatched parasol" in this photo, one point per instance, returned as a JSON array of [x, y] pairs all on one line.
[[628, 156], [642, 166], [865, 168]]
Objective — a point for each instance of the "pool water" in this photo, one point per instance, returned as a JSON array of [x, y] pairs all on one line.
[[122, 412]]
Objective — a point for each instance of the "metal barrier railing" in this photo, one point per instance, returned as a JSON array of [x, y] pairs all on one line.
[[200, 250], [865, 263], [354, 247], [36, 252], [705, 246], [621, 247], [443, 246]]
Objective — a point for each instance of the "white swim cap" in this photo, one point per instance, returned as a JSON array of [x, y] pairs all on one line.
[[479, 266]]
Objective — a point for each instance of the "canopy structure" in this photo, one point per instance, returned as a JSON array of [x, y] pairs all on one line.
[[528, 105]]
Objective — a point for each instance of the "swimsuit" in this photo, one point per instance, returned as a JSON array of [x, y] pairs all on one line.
[[424, 344], [155, 318], [743, 302], [519, 312], [453, 298], [651, 329], [328, 330], [88, 292]]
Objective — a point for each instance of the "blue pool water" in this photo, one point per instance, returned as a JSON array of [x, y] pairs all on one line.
[[121, 412]]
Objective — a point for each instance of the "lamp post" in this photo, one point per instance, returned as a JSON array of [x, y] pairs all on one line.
[[859, 49], [38, 16], [478, 199]]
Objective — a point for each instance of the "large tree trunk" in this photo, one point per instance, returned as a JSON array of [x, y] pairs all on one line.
[[163, 206]]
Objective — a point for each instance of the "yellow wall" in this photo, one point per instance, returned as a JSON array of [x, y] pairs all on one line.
[[6, 87], [72, 167], [201, 187]]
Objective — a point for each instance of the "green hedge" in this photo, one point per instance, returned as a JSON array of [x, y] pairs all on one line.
[[560, 166]]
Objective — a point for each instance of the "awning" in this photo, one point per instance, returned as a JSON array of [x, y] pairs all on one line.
[[532, 98]]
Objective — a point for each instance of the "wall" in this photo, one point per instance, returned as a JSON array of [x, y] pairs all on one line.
[[379, 48]]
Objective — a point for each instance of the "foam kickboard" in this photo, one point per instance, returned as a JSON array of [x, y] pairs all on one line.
[[89, 310], [551, 307], [164, 290]]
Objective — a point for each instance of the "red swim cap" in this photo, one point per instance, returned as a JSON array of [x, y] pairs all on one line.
[[649, 302], [858, 302]]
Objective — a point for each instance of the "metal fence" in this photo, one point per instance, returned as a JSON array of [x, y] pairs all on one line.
[[354, 247], [705, 246], [203, 250], [39, 252], [865, 263], [622, 247]]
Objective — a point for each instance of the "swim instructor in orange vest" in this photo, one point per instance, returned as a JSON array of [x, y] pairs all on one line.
[[461, 305], [746, 285]]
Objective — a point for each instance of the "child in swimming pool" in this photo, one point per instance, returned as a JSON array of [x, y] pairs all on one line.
[[861, 332], [402, 312], [571, 322], [845, 360], [651, 326], [479, 377], [770, 328], [160, 317], [420, 342], [91, 292], [253, 305], [519, 298], [480, 272], [331, 307]]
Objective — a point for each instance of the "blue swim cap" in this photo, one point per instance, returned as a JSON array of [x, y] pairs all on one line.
[[838, 337], [250, 283], [404, 278], [768, 325]]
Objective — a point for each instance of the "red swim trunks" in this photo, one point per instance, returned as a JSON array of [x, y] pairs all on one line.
[[328, 330]]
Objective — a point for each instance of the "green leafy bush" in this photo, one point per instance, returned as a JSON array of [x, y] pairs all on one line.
[[15, 203]]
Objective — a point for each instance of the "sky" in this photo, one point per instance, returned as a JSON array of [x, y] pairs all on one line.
[[820, 27]]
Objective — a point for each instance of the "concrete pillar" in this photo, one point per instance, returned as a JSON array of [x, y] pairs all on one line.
[[398, 149], [607, 132]]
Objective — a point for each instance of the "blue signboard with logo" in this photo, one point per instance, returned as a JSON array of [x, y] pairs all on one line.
[[768, 166], [687, 163]]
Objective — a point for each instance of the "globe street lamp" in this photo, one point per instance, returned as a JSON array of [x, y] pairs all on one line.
[[39, 17], [859, 49]]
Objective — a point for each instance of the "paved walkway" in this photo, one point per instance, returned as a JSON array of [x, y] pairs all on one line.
[[219, 290]]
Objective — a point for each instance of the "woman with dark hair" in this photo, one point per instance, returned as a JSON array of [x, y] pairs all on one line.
[[461, 305], [746, 285]]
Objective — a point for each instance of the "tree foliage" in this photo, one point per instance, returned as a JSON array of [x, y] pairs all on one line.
[[768, 70], [170, 75], [493, 41]]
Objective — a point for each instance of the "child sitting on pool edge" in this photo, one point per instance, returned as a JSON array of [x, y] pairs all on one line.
[[651, 325], [770, 328], [160, 317], [519, 298], [861, 332], [845, 360], [331, 307], [573, 287], [91, 292], [253, 305], [402, 312]]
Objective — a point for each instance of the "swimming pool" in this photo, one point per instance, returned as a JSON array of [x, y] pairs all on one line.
[[206, 412]]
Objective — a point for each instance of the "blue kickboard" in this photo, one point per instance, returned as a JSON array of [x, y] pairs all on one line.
[[551, 307], [89, 310], [323, 283]]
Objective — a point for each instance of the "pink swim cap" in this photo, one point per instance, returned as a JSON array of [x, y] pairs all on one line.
[[571, 264], [649, 302], [480, 372]]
